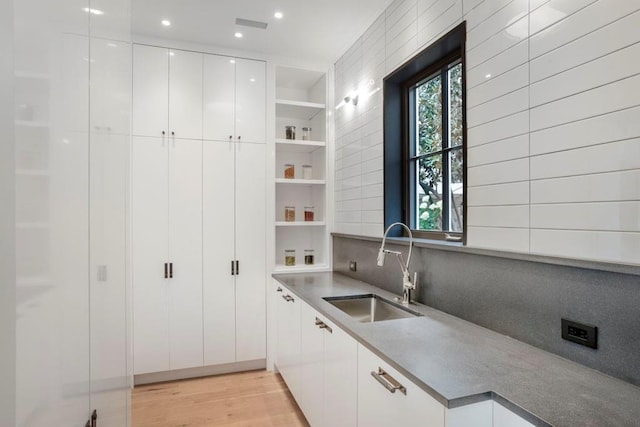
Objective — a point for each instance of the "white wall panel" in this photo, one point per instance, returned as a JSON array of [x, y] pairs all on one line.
[[610, 127], [499, 151], [617, 156], [601, 187], [593, 245], [611, 216]]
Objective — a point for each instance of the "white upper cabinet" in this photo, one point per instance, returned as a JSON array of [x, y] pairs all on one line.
[[234, 99], [185, 94], [167, 92], [250, 100], [150, 91], [219, 97]]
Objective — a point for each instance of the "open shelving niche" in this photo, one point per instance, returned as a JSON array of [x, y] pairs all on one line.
[[301, 97]]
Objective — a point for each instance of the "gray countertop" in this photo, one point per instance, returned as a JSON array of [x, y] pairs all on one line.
[[458, 362]]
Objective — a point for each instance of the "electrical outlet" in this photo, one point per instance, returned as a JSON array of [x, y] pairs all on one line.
[[580, 333], [352, 266]]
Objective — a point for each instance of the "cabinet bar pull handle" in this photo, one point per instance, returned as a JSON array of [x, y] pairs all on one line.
[[322, 325], [173, 133], [233, 268], [288, 298], [237, 267], [170, 270], [239, 138], [166, 270], [94, 418], [163, 132], [279, 289], [388, 381]]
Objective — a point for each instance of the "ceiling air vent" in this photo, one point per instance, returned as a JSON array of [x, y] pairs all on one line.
[[252, 24]]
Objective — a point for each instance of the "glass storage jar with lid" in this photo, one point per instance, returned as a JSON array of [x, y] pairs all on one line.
[[306, 134], [290, 132], [289, 257]]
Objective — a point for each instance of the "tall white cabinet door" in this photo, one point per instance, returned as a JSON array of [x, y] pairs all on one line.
[[185, 94], [219, 97], [150, 90], [109, 155], [185, 253], [250, 101], [250, 252], [219, 291], [312, 338], [149, 243], [340, 378]]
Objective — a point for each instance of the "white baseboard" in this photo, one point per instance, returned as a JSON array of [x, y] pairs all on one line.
[[203, 371]]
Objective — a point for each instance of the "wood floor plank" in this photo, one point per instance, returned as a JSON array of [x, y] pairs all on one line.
[[256, 398]]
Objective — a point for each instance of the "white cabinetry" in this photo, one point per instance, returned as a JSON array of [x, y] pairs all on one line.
[[199, 195], [387, 398], [167, 254], [234, 252], [167, 92], [288, 337], [301, 102], [329, 383], [234, 99]]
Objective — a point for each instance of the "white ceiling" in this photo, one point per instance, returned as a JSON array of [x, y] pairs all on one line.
[[319, 30]]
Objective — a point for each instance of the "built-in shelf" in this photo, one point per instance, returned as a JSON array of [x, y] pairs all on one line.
[[298, 109], [300, 224], [298, 146], [281, 268], [300, 181], [301, 101]]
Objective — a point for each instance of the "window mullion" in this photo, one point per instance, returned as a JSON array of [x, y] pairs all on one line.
[[445, 152]]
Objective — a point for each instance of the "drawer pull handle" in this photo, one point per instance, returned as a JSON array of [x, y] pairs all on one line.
[[322, 325], [287, 298], [388, 381], [279, 289]]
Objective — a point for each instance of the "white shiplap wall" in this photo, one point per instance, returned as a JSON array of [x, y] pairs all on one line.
[[553, 103]]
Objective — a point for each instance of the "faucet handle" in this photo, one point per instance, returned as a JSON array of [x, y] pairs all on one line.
[[415, 280]]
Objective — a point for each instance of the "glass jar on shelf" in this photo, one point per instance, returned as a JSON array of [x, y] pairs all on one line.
[[290, 132], [289, 257], [289, 213], [307, 172], [309, 213], [309, 258], [306, 134], [289, 171]]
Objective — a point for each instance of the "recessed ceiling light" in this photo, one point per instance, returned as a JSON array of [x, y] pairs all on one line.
[[166, 22], [488, 76], [232, 61], [252, 80], [238, 35], [93, 11], [278, 15]]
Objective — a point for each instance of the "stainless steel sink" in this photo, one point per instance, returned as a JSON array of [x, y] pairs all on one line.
[[370, 308]]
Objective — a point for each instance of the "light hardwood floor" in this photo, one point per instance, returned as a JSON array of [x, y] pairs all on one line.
[[256, 398]]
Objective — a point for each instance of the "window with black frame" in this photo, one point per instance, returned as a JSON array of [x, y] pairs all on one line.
[[424, 141], [436, 150]]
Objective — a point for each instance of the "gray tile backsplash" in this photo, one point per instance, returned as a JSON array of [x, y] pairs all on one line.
[[522, 299]]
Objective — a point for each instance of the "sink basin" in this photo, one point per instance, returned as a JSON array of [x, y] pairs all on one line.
[[371, 308]]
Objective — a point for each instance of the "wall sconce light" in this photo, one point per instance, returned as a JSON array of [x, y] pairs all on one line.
[[351, 99]]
